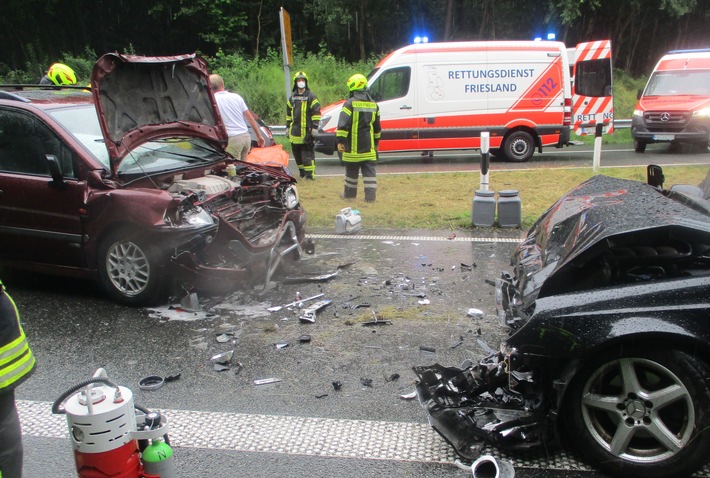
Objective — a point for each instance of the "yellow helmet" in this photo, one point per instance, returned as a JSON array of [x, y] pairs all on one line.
[[300, 74], [357, 82], [61, 74]]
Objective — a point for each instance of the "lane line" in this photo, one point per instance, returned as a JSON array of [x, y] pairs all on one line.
[[415, 238]]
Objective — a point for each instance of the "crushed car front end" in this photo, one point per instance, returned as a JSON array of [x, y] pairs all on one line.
[[614, 265]]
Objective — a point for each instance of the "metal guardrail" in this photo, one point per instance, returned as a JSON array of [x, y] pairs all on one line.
[[280, 130]]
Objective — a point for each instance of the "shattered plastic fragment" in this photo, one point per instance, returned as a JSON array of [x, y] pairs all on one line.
[[304, 339], [366, 381], [337, 385], [223, 357], [321, 395], [264, 381], [424, 302], [223, 338], [408, 396], [282, 345], [476, 313], [392, 377], [218, 367]]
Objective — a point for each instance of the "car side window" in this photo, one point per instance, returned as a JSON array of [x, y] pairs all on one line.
[[25, 143]]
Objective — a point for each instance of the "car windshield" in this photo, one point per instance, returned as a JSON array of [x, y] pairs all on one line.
[[154, 156], [672, 83], [83, 123], [167, 154]]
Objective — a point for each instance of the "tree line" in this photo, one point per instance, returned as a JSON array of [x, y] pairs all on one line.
[[34, 33]]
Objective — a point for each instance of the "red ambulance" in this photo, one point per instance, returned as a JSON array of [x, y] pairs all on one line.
[[675, 105]]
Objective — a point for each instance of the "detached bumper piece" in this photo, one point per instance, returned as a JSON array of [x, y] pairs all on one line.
[[481, 404]]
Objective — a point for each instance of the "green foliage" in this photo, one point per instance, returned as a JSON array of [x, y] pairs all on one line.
[[262, 84]]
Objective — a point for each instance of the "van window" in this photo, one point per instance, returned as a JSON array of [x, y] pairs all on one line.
[[670, 83], [593, 78], [391, 84]]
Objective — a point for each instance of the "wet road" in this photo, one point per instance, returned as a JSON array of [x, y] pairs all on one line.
[[222, 424]]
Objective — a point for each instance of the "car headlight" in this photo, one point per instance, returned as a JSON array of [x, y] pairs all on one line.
[[703, 113], [638, 112], [290, 197], [197, 217]]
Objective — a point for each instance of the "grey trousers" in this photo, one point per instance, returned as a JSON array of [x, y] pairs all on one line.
[[369, 178], [10, 437]]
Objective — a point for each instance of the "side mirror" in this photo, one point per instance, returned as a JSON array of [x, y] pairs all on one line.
[[55, 170], [639, 93], [654, 176]]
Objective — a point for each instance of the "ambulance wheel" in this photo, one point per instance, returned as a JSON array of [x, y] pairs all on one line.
[[639, 146], [129, 269], [519, 146]]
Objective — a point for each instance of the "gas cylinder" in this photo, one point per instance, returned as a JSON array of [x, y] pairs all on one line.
[[158, 460]]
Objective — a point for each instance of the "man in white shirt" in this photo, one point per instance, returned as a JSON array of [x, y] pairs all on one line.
[[234, 112]]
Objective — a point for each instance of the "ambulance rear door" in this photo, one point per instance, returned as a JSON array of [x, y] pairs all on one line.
[[592, 100]]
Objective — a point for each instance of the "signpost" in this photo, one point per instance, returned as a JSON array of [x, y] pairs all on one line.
[[286, 47]]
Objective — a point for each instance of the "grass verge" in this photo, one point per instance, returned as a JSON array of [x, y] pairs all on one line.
[[442, 201]]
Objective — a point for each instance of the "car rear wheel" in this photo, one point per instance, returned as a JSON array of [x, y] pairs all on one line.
[[129, 269], [639, 146], [642, 413], [518, 146]]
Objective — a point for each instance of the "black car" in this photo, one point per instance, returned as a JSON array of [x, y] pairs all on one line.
[[608, 306]]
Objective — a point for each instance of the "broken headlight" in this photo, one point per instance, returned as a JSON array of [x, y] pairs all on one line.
[[197, 217], [289, 197]]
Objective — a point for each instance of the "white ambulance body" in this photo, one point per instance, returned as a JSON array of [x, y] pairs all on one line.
[[440, 96]]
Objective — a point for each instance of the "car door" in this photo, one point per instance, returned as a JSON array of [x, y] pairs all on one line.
[[393, 90], [40, 218], [592, 100]]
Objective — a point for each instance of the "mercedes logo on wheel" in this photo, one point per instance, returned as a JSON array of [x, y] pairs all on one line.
[[665, 117]]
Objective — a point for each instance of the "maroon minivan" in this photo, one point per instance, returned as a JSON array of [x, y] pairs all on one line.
[[129, 184]]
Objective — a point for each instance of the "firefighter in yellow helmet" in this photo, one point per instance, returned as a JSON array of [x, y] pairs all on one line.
[[16, 364], [302, 119], [59, 74], [358, 135]]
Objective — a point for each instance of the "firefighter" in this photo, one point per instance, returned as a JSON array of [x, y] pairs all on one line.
[[358, 135], [59, 74], [302, 118], [16, 364]]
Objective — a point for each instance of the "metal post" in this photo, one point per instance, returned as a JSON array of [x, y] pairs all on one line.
[[485, 159], [596, 159]]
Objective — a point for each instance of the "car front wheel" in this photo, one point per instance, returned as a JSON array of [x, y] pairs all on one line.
[[639, 146], [642, 413], [129, 270]]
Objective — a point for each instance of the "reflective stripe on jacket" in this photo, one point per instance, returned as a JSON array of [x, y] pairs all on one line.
[[359, 128], [16, 359], [302, 115]]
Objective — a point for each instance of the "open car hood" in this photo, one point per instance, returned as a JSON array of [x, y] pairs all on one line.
[[598, 209], [140, 98]]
